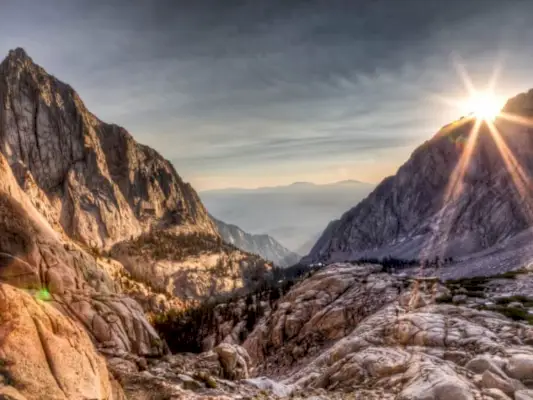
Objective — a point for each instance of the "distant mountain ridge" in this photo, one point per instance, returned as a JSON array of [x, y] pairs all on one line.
[[293, 214], [421, 213], [289, 186], [263, 245]]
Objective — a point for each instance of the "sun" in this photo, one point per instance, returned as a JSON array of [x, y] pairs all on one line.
[[484, 105]]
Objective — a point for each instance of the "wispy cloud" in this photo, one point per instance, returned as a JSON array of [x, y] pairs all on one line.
[[232, 89]]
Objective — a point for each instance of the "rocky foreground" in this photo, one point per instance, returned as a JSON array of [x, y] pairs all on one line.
[[347, 332]]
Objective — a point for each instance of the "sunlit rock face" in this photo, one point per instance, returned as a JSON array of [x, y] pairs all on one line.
[[100, 185], [459, 193], [37, 259], [47, 355]]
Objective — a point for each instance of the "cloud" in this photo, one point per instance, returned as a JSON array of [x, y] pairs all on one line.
[[234, 86]]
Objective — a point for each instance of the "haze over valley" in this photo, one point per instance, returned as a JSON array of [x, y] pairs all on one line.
[[295, 215]]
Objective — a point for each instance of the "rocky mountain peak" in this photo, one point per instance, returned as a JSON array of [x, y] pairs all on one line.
[[18, 54], [95, 180], [17, 61], [457, 195]]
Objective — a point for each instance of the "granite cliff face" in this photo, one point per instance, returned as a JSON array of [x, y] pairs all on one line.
[[264, 245], [96, 185], [94, 180], [72, 190], [429, 209]]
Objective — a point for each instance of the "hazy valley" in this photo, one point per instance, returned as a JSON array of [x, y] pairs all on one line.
[[295, 215]]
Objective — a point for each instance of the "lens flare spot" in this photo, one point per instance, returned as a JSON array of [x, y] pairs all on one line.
[[484, 105], [43, 295]]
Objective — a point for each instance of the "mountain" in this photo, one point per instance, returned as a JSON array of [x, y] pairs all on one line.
[[95, 181], [460, 194], [95, 185], [294, 215], [97, 233], [262, 245]]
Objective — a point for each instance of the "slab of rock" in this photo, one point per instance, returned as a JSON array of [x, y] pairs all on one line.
[[484, 363], [520, 367], [189, 383], [47, 355], [491, 380], [116, 323], [523, 395], [276, 388], [495, 394], [234, 360]]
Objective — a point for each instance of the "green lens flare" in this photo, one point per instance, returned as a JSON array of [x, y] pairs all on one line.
[[43, 295]]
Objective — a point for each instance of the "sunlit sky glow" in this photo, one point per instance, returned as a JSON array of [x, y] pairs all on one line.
[[263, 93]]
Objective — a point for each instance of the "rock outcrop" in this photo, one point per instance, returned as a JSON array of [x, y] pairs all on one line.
[[93, 179], [35, 257], [321, 309], [45, 355], [354, 332], [263, 245], [459, 194], [188, 266]]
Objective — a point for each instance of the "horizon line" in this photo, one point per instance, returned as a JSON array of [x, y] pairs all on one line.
[[288, 185]]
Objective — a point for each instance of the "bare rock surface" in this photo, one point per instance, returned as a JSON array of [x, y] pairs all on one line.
[[317, 312], [34, 259], [101, 185], [405, 347], [188, 266], [45, 355], [353, 332]]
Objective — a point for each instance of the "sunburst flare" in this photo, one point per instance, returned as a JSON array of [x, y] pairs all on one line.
[[485, 107]]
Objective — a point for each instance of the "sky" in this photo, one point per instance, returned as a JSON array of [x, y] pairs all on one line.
[[264, 93]]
